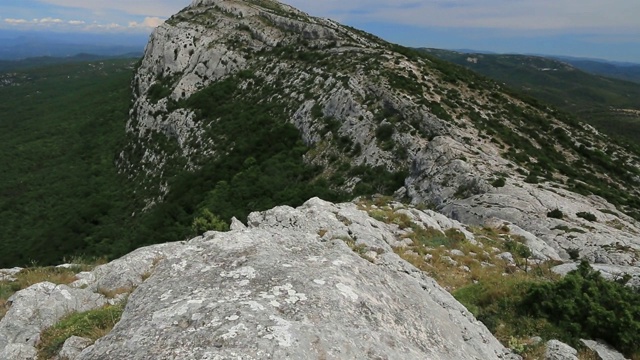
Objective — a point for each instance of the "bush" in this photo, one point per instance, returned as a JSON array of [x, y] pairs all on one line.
[[585, 305], [498, 183], [384, 132], [555, 214], [574, 253], [208, 221], [587, 216]]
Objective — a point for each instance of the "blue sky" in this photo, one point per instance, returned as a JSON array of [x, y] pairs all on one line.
[[607, 29]]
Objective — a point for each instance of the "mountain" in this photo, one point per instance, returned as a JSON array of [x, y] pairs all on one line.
[[226, 77], [618, 70], [610, 105], [239, 106]]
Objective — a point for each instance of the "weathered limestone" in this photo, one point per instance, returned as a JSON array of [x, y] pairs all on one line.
[[37, 308], [557, 350], [279, 289], [604, 351]]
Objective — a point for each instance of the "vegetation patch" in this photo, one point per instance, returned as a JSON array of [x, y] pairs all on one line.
[[587, 216], [555, 214], [92, 324], [499, 182], [585, 305]]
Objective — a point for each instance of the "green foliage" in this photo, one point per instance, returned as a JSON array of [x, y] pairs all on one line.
[[574, 253], [585, 305], [593, 99], [587, 216], [555, 214], [384, 132], [91, 324], [499, 182], [207, 221], [376, 180], [60, 132], [518, 248]]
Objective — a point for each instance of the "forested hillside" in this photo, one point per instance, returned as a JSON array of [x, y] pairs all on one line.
[[61, 129], [611, 105]]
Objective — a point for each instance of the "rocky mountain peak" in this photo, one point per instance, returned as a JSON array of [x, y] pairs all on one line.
[[460, 143]]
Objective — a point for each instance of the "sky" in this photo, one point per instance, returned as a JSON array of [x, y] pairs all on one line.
[[605, 29]]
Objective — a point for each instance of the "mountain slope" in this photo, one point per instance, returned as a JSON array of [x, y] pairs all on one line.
[[622, 71], [463, 144], [609, 104]]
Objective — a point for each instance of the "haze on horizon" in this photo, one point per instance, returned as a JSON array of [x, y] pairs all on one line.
[[589, 28]]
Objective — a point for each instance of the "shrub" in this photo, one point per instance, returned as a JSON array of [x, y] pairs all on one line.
[[574, 253], [555, 214], [208, 221], [384, 132], [498, 183], [587, 216], [531, 179], [585, 305]]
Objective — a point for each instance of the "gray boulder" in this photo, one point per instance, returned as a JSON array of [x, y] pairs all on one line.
[[283, 289], [18, 352], [35, 309], [72, 347], [604, 351], [609, 272], [8, 274], [557, 350]]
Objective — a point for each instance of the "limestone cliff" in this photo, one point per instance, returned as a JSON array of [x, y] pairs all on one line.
[[466, 146]]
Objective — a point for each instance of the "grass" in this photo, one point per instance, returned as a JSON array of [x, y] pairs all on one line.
[[34, 275], [489, 286], [92, 324]]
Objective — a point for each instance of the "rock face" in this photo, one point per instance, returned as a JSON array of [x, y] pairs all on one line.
[[604, 351], [285, 286], [466, 145], [557, 350], [282, 288], [609, 272], [37, 308]]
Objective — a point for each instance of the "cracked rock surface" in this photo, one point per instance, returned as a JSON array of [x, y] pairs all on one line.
[[283, 289]]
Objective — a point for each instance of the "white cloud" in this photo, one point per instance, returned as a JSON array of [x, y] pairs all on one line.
[[15, 21], [148, 22], [152, 8], [49, 20], [76, 22]]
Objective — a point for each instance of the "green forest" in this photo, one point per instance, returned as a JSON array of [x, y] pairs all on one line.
[[62, 127]]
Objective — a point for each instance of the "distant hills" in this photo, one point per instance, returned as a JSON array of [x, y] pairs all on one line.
[[35, 62], [21, 45], [612, 105], [618, 70]]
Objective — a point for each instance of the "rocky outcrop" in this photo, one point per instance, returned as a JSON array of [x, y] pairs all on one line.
[[452, 137], [609, 272], [557, 350], [37, 308], [319, 281], [8, 274], [602, 350]]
